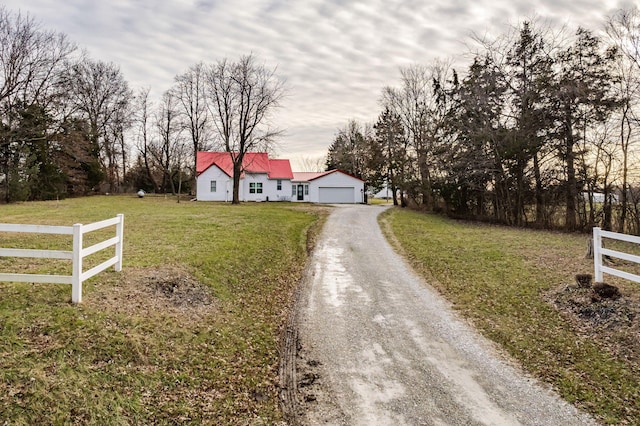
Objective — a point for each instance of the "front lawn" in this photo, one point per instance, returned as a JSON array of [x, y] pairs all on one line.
[[187, 332]]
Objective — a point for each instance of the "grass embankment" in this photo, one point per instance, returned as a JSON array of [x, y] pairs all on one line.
[[500, 278], [187, 332]]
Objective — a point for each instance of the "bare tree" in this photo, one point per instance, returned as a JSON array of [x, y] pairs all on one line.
[[190, 92], [144, 139], [242, 96], [28, 56], [312, 164], [100, 94], [168, 148], [420, 102], [411, 102], [117, 144], [623, 30]]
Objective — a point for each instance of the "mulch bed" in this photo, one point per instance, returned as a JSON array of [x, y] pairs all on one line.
[[610, 317]]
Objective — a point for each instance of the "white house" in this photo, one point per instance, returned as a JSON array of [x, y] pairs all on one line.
[[598, 197], [384, 193], [332, 187], [263, 179]]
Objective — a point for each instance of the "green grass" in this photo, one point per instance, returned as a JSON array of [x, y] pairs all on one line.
[[376, 201], [119, 358], [497, 277]]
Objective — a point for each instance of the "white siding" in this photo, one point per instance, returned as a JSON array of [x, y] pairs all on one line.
[[255, 178], [269, 188], [282, 195], [224, 185], [336, 180]]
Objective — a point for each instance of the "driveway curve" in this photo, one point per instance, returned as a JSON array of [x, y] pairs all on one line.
[[376, 345]]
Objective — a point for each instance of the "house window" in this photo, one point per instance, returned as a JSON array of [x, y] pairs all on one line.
[[293, 190], [213, 186], [279, 184], [255, 188], [306, 190]]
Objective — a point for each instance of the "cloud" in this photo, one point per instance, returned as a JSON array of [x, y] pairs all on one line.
[[335, 55]]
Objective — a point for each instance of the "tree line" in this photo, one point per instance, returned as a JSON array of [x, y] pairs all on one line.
[[541, 130], [71, 125], [62, 114]]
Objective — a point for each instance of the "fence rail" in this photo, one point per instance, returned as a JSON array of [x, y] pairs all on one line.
[[76, 255], [599, 251]]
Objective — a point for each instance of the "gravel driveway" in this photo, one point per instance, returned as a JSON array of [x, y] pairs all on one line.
[[374, 344]]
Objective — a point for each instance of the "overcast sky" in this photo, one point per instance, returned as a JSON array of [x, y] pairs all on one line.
[[335, 55]]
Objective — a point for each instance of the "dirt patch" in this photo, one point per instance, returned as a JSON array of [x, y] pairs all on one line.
[[614, 322], [168, 290]]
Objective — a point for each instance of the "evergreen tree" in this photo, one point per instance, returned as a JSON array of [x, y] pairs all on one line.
[[583, 99], [392, 145]]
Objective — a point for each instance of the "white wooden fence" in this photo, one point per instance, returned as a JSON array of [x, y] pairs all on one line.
[[599, 251], [78, 253]]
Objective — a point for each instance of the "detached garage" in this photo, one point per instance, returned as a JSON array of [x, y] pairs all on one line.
[[332, 187]]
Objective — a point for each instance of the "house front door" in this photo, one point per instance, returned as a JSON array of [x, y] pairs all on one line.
[[300, 192]]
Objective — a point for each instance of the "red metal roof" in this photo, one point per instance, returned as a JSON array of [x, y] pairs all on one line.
[[252, 162], [256, 162], [280, 169], [204, 160]]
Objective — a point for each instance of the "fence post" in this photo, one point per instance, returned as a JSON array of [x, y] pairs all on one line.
[[597, 256], [76, 280], [120, 235]]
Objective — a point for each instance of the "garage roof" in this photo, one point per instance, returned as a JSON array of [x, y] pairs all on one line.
[[309, 176]]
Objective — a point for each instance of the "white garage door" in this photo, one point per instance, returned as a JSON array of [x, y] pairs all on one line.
[[330, 195]]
